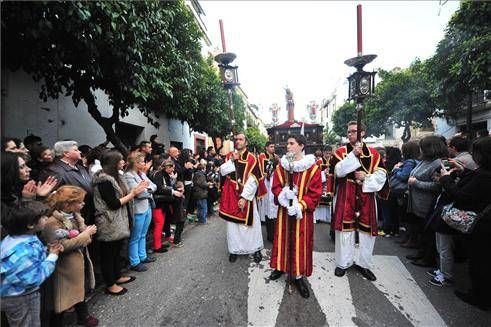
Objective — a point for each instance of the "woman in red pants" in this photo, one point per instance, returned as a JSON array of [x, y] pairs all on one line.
[[164, 195]]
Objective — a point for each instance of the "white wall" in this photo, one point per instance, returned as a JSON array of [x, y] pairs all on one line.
[[24, 113]]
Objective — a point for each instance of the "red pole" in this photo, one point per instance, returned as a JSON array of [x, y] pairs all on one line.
[[359, 30], [223, 36]]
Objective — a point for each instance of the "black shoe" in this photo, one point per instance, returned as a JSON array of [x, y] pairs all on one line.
[[302, 288], [232, 257], [366, 273], [258, 257], [122, 292], [414, 257], [275, 274], [339, 272], [161, 250], [149, 260]]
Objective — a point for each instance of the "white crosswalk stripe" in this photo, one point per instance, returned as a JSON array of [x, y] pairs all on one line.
[[334, 294], [397, 284], [264, 300]]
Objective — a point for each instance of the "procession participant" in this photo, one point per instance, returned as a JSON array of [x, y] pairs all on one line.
[[353, 166], [243, 183], [323, 211], [266, 206], [294, 238]]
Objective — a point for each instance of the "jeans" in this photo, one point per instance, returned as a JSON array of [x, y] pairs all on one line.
[[137, 243], [202, 209], [444, 246], [23, 310]]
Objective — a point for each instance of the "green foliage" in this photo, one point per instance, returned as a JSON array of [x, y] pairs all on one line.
[[461, 62], [142, 54], [403, 98], [256, 139], [342, 116]]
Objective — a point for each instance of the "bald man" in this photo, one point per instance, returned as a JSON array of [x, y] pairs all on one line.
[[178, 167]]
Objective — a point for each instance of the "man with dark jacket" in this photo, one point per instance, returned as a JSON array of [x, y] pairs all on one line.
[[68, 171], [200, 193]]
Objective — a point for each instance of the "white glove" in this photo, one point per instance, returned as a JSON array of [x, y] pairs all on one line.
[[290, 194], [295, 210], [282, 200]]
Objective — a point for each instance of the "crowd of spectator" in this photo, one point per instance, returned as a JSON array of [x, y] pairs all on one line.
[[432, 174], [97, 212]]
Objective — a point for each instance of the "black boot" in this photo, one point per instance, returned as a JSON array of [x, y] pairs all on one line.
[[302, 287], [366, 273], [275, 275], [258, 257], [232, 257], [339, 272]]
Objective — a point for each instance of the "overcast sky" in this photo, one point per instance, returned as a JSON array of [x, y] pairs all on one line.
[[303, 44]]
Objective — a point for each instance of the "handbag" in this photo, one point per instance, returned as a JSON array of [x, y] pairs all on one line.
[[462, 220], [397, 186]]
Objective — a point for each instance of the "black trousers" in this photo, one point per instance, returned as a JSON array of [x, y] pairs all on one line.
[[81, 310], [480, 261], [178, 232], [270, 225], [111, 261]]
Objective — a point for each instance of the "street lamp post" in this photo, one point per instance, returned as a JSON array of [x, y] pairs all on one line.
[[361, 85]]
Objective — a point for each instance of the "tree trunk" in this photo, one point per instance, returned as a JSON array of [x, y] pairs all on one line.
[[406, 135], [105, 123], [469, 116]]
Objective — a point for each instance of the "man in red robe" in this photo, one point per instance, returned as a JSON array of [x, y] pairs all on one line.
[[353, 166], [294, 238], [268, 210], [243, 183]]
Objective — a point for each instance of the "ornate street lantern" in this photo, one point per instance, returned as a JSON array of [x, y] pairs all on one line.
[[361, 84], [228, 73]]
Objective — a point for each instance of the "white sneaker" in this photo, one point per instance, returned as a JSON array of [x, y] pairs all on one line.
[[440, 280]]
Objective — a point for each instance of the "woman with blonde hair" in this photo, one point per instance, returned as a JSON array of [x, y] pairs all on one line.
[[113, 211], [74, 266], [142, 207]]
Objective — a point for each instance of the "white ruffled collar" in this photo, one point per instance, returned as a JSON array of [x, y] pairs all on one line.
[[299, 165]]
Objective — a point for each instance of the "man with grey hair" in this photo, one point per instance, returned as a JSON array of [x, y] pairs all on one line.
[[69, 171]]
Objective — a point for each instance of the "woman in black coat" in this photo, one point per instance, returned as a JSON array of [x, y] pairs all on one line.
[[472, 193], [168, 201]]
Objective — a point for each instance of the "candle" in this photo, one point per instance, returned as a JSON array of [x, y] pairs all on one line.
[[359, 30], [223, 36]]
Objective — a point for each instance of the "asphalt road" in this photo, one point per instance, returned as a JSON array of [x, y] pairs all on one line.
[[197, 286]]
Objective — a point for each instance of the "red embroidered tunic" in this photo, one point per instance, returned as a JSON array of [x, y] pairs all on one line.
[[246, 166], [293, 240], [344, 189]]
